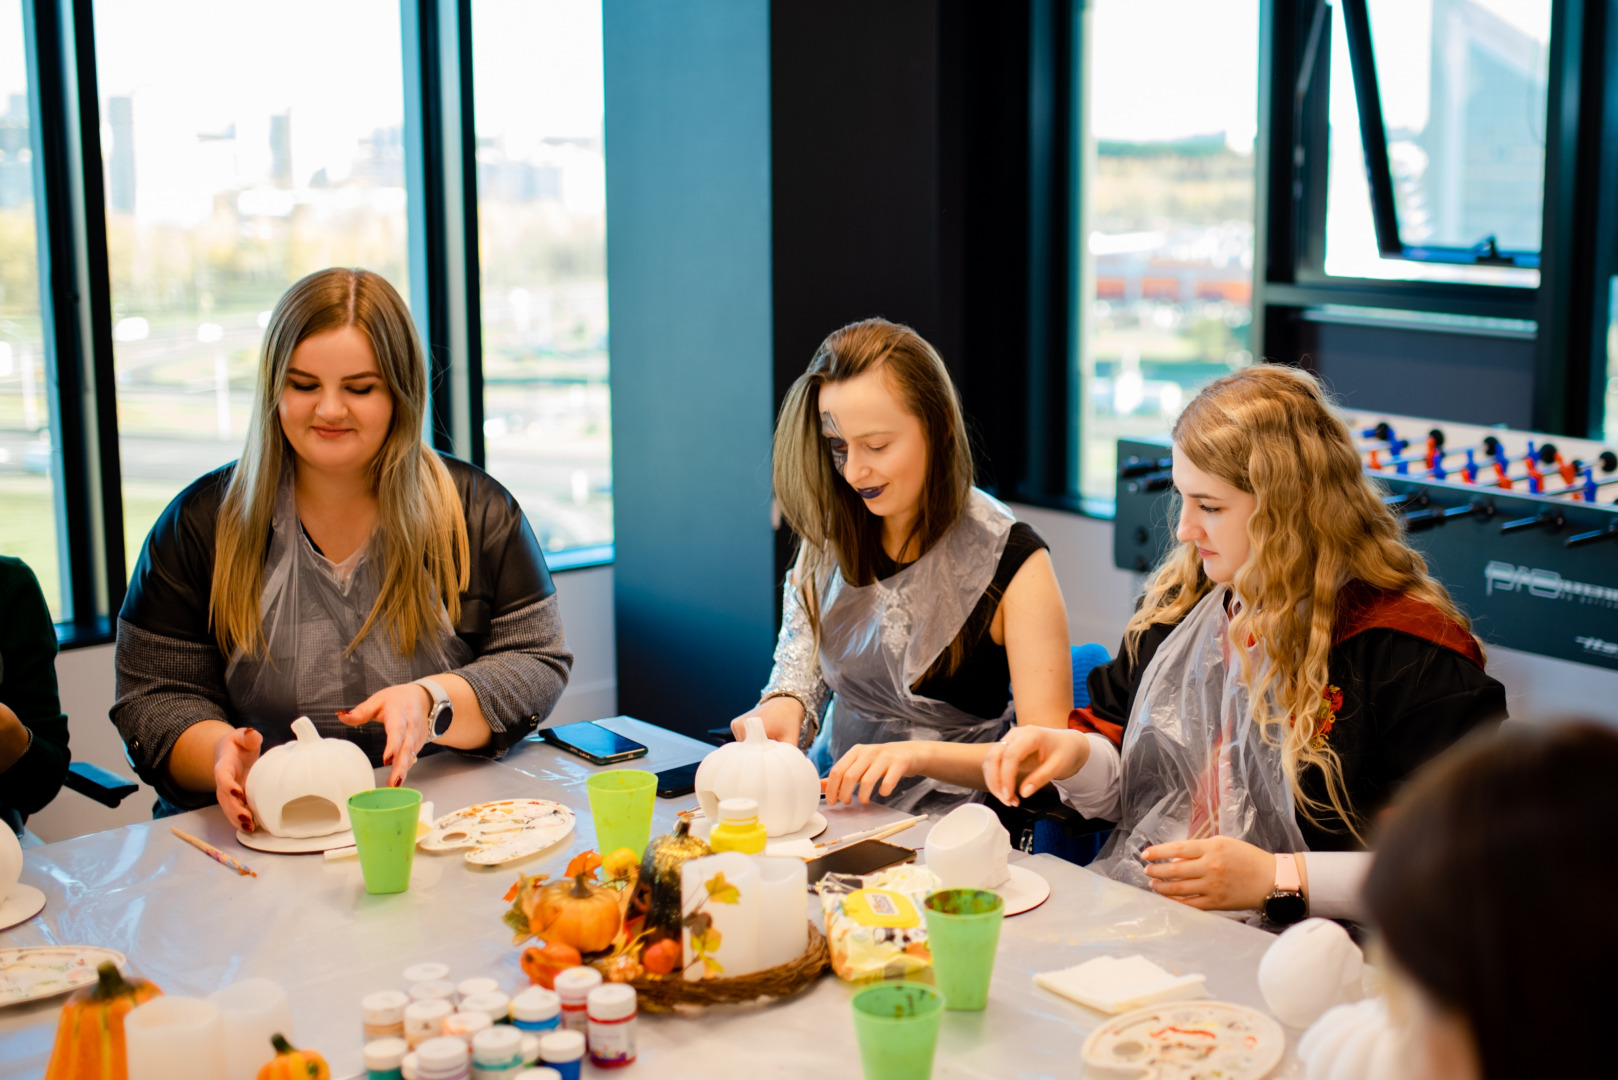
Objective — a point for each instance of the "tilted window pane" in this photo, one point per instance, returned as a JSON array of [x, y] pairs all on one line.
[[1463, 88], [27, 472], [1169, 215], [542, 250], [245, 144]]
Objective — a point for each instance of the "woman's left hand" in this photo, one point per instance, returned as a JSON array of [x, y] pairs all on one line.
[[1218, 874], [874, 770], [402, 710]]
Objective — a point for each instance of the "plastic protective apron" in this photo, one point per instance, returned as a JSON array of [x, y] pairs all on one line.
[[877, 640], [1195, 764], [310, 615]]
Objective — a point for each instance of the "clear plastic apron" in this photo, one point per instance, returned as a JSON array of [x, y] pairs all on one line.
[[1195, 765], [311, 613], [877, 640]]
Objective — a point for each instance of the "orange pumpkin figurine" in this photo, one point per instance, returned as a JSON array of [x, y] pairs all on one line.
[[579, 913], [90, 1034], [542, 965], [291, 1063], [662, 957]]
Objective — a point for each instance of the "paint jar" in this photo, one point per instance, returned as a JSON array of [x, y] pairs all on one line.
[[465, 1025], [738, 828], [443, 1058], [433, 989], [497, 1053], [544, 1072], [471, 987], [424, 1020], [563, 1051], [382, 1014], [384, 1059], [573, 986], [536, 1009], [429, 972], [494, 1003], [612, 1033]]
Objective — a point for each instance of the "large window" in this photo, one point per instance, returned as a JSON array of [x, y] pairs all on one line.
[[27, 462], [1168, 213], [1462, 87], [542, 252], [244, 146]]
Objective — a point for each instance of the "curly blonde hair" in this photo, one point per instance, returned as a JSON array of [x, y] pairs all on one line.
[[1319, 523]]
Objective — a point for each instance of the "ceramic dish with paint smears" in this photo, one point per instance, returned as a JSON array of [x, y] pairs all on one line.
[[1187, 1041], [500, 832], [47, 970]]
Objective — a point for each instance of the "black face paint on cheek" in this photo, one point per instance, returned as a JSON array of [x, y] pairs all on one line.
[[834, 440]]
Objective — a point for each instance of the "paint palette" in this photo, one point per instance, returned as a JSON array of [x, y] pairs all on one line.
[[494, 833], [1188, 1041]]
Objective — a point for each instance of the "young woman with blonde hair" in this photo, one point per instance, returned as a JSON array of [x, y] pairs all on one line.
[[341, 569], [1290, 665], [916, 599]]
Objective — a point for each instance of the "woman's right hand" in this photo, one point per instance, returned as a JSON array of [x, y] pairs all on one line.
[[233, 755], [782, 716], [1038, 755]]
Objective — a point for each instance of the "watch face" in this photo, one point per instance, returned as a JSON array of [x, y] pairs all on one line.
[[443, 716], [1284, 909]]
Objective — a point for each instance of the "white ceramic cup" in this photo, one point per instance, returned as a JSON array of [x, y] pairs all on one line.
[[968, 849], [173, 1036], [250, 1012]]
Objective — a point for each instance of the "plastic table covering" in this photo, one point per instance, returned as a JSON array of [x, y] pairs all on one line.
[[193, 927]]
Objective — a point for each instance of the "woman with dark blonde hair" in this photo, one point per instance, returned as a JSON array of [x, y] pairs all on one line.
[[341, 569], [1291, 663], [916, 599]]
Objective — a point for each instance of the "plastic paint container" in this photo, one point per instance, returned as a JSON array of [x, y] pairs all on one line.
[[466, 1025], [384, 1058], [612, 1034], [536, 1009], [420, 973], [382, 1014], [434, 988], [497, 1053], [424, 1020], [493, 1003], [544, 1072], [563, 1051], [443, 1058], [471, 987], [573, 986]]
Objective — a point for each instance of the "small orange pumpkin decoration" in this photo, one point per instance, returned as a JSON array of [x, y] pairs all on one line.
[[543, 965], [291, 1063], [662, 957], [90, 1034], [579, 913]]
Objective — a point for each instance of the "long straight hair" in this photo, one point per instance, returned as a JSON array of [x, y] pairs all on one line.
[[1319, 523], [835, 528], [420, 543]]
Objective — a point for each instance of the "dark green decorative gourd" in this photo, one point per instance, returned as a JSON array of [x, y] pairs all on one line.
[[660, 876]]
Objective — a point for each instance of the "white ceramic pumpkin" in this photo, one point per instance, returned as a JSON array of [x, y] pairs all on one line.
[[773, 774], [1310, 968], [1354, 1042], [301, 788]]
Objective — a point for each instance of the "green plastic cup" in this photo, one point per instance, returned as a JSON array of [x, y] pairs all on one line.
[[963, 930], [621, 803], [384, 822], [896, 1024]]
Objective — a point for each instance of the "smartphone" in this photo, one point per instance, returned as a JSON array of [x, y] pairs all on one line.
[[865, 857], [593, 743], [680, 780]]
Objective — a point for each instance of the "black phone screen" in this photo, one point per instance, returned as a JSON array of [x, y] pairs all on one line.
[[678, 781], [865, 857], [594, 743]]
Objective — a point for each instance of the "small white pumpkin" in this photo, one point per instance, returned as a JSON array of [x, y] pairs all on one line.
[[301, 788], [773, 774], [1310, 968], [1357, 1041]]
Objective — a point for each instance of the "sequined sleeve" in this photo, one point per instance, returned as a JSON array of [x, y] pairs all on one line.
[[796, 673]]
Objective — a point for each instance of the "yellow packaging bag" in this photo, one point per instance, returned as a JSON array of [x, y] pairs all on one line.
[[874, 924]]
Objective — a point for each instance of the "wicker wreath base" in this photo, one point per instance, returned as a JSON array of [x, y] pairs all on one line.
[[661, 993]]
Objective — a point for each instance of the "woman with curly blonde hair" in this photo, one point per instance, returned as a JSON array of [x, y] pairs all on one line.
[[1290, 665]]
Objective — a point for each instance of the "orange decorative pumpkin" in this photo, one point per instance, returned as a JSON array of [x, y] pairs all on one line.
[[543, 965], [90, 1034], [662, 957], [293, 1064], [579, 913]]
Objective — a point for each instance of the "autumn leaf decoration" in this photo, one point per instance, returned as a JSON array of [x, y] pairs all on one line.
[[705, 940]]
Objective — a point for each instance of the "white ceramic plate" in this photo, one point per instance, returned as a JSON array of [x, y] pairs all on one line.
[[1025, 891], [45, 971], [500, 832], [1188, 1039], [294, 845], [23, 904]]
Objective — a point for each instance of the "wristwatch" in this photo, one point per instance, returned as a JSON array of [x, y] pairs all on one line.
[[1286, 904], [442, 714]]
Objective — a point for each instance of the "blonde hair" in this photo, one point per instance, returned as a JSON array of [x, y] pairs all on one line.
[[420, 543], [1319, 523], [835, 528]]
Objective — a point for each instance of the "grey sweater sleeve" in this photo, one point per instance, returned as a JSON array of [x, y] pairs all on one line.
[[520, 673], [165, 685]]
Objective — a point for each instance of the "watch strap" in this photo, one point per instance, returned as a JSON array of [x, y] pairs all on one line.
[[1286, 874]]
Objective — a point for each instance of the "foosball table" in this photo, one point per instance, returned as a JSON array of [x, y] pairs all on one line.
[[1521, 527]]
